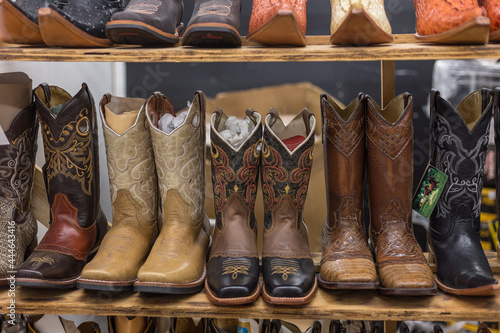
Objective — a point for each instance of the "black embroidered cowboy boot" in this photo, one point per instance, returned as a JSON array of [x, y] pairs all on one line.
[[214, 23], [71, 173], [18, 226], [287, 156], [459, 140], [233, 264]]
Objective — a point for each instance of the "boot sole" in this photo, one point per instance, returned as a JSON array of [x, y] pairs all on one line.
[[139, 33], [171, 288], [106, 285], [358, 28], [232, 301], [281, 29], [347, 285], [211, 35], [409, 291], [57, 31], [47, 284], [488, 290], [21, 30], [290, 300], [475, 31]]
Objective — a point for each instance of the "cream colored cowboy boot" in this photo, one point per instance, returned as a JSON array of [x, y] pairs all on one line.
[[133, 186], [177, 260]]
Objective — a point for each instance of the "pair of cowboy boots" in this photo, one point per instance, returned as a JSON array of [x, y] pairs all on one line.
[[18, 226], [285, 154], [365, 135], [457, 21], [71, 174], [458, 146], [160, 234]]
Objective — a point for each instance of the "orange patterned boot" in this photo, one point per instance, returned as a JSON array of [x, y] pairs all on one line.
[[493, 12], [451, 22], [278, 22]]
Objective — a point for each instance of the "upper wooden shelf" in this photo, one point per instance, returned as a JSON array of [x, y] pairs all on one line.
[[318, 49]]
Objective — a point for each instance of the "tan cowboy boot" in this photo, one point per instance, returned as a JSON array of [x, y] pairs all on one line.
[[177, 260], [132, 178]]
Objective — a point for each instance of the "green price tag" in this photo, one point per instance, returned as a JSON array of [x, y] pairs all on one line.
[[428, 191]]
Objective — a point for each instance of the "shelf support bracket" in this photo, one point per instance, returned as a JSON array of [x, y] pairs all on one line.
[[388, 78]]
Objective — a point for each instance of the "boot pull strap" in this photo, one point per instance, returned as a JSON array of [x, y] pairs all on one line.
[[250, 114], [496, 107], [274, 115], [306, 116], [323, 100], [106, 98], [46, 91], [218, 116]]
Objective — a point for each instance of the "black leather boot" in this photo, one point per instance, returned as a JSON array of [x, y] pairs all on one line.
[[459, 140], [147, 22], [20, 21], [214, 23], [497, 166], [69, 23]]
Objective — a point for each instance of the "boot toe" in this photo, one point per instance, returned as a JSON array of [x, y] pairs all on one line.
[[349, 270], [233, 280], [288, 281], [403, 276], [471, 280]]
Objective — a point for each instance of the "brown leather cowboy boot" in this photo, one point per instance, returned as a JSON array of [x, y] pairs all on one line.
[[18, 226], [177, 261], [347, 262], [287, 156], [402, 267], [233, 265], [71, 173], [125, 324], [132, 176]]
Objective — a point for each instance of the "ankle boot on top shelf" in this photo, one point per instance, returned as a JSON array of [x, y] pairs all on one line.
[[287, 156], [451, 22], [71, 173], [214, 24], [278, 22], [146, 22], [77, 23], [347, 262], [233, 264], [402, 267], [177, 261], [18, 226], [459, 140], [133, 185], [19, 21], [359, 22]]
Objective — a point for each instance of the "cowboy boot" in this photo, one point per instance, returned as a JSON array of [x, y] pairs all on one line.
[[278, 22], [18, 225], [347, 262], [287, 156], [19, 21], [359, 22], [402, 267], [451, 22], [71, 173], [493, 13], [233, 264], [133, 185], [214, 23], [176, 263], [146, 22], [125, 324], [497, 161], [459, 141]]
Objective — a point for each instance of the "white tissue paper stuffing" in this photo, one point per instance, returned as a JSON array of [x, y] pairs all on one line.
[[237, 130], [169, 123]]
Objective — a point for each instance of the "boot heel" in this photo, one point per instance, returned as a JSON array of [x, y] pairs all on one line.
[[31, 248]]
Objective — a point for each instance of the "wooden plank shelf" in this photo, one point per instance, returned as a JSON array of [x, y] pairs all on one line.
[[404, 47]]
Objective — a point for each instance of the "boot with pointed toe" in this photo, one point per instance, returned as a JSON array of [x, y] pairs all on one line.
[[347, 262], [71, 174], [402, 267], [233, 264], [278, 22], [18, 226], [177, 261], [132, 176], [147, 22], [19, 21], [459, 140], [287, 156]]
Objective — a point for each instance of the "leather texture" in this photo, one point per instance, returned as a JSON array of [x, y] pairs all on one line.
[[30, 7], [287, 267], [437, 16], [179, 254], [133, 186], [264, 10], [459, 140], [492, 8], [374, 8], [401, 263], [18, 226], [233, 266], [125, 324], [71, 174], [497, 159], [346, 256]]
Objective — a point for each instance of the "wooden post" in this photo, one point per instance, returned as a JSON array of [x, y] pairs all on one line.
[[390, 326], [388, 78]]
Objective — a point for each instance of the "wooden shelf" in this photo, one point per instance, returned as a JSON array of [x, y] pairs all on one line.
[[318, 49]]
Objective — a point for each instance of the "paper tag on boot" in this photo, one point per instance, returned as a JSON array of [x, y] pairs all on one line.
[[3, 137], [428, 191]]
